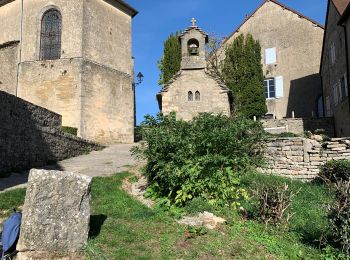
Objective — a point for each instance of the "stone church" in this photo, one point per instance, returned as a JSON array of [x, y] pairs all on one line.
[[194, 89], [74, 58]]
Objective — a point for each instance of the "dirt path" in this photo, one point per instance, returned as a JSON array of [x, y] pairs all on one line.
[[113, 159]]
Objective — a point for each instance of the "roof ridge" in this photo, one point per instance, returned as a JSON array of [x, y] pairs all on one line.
[[278, 3]]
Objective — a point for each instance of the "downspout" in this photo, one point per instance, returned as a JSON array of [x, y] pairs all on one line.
[[347, 61], [20, 47]]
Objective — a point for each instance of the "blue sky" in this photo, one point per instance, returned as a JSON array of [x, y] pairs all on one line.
[[158, 18]]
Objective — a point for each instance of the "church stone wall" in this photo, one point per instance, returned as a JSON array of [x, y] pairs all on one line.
[[72, 24], [107, 35], [107, 105], [8, 67], [298, 44], [10, 22], [213, 98], [54, 85]]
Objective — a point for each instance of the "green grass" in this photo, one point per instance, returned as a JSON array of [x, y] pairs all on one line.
[[11, 200], [123, 228]]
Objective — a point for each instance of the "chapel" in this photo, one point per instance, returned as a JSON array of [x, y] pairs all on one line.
[[194, 89]]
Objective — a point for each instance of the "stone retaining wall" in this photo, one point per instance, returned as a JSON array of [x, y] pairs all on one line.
[[30, 136], [299, 125], [300, 158]]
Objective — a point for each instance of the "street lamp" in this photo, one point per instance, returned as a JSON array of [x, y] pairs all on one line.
[[139, 78]]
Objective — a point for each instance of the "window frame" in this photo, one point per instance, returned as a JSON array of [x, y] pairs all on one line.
[[42, 54], [268, 88]]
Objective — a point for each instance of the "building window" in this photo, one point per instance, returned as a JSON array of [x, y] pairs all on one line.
[[190, 96], [198, 96], [270, 56], [332, 53], [50, 36], [269, 87], [344, 86]]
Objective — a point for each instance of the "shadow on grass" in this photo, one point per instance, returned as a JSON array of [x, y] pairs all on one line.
[[96, 223]]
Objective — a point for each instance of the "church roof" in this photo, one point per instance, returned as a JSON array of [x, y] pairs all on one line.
[[195, 27], [221, 84], [283, 6], [127, 8]]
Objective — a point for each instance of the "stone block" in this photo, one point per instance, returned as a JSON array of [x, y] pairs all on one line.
[[56, 212]]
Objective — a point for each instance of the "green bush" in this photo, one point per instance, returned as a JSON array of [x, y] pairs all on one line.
[[70, 130], [339, 217], [334, 171], [203, 158]]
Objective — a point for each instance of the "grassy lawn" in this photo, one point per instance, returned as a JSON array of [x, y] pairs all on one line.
[[122, 228]]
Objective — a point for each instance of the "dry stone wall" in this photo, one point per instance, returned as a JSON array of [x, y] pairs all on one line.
[[300, 158], [30, 136]]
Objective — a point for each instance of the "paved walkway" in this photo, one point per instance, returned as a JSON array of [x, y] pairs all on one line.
[[113, 159]]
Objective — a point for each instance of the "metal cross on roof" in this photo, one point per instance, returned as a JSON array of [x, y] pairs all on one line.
[[193, 21]]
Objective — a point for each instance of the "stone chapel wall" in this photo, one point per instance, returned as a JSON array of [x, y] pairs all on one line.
[[8, 67]]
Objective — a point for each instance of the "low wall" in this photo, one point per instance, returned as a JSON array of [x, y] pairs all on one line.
[[30, 136], [300, 158], [299, 125]]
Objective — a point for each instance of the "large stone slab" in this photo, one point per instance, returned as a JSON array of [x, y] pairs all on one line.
[[56, 212]]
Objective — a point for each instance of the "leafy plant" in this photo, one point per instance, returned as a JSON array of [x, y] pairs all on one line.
[[273, 203], [195, 231], [335, 171], [339, 216], [203, 158]]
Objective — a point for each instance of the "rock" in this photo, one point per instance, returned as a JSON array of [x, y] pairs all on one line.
[[318, 138], [56, 213], [206, 219]]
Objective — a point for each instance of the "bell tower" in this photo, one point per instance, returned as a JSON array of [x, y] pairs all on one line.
[[193, 41]]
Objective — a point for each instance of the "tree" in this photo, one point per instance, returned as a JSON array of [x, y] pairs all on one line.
[[243, 74], [170, 62]]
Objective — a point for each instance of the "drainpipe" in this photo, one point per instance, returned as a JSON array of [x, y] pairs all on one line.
[[20, 47]]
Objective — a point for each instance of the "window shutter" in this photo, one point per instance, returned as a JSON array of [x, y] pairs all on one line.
[[270, 56], [279, 87]]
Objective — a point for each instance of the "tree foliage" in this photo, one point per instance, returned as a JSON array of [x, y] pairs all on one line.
[[243, 74], [170, 62]]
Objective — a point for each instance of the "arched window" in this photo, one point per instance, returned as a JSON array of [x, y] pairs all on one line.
[[190, 96], [197, 96], [193, 47], [50, 36]]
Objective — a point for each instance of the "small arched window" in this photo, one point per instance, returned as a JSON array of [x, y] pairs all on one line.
[[190, 96], [50, 36], [197, 96]]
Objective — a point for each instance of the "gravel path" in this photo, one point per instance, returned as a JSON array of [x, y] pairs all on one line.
[[113, 159]]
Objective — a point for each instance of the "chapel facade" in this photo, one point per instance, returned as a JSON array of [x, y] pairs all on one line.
[[194, 89], [74, 58]]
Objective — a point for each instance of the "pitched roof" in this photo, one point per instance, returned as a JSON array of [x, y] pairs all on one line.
[[127, 8], [195, 27], [341, 5], [207, 72], [284, 7]]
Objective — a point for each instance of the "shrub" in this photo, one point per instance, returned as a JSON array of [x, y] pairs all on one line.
[[203, 158], [273, 201], [70, 130], [339, 217], [335, 171]]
